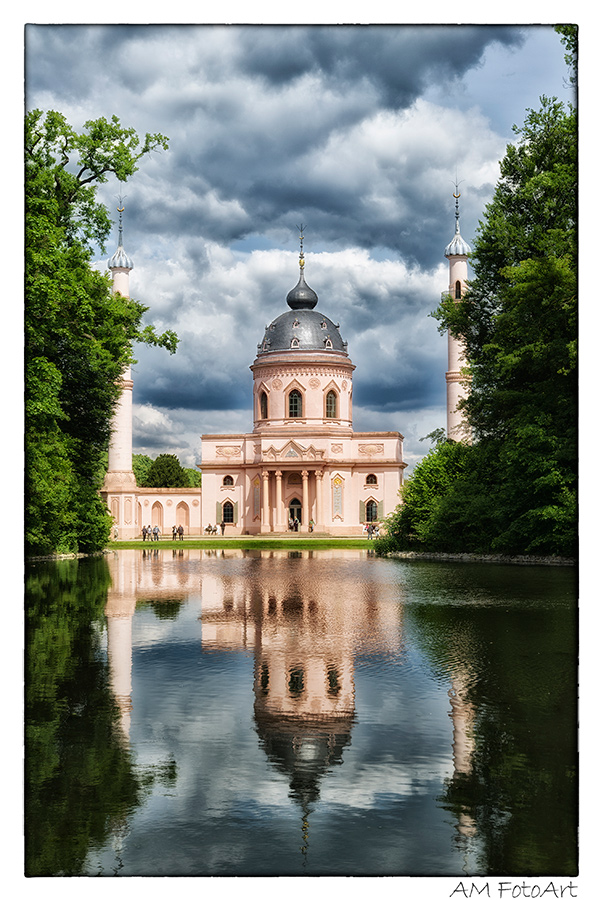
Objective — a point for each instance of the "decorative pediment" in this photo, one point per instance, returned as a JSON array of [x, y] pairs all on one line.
[[292, 451]]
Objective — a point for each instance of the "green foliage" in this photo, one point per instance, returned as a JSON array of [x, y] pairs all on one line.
[[166, 472], [415, 524], [437, 437], [515, 490], [194, 477], [141, 465], [78, 334], [569, 38]]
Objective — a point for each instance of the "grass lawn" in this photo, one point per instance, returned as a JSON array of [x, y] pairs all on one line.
[[259, 542]]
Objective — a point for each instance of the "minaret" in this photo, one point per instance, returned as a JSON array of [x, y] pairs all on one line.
[[456, 252], [119, 487]]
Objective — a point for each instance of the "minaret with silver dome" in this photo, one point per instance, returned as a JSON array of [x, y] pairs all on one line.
[[119, 487], [457, 382]]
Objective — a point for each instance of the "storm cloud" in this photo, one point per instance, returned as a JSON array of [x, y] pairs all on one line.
[[356, 132]]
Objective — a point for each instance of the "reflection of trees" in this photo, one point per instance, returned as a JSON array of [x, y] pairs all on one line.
[[79, 780], [515, 667], [163, 609]]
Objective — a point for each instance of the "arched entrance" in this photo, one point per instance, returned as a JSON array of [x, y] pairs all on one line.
[[295, 511], [182, 515]]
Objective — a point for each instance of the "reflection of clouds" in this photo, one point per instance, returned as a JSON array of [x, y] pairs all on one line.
[[367, 787]]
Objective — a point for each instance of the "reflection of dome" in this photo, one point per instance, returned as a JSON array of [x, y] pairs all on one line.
[[303, 749]]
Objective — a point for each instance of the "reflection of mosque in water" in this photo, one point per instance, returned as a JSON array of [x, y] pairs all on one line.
[[304, 640]]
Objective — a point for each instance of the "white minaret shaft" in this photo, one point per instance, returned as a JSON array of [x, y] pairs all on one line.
[[120, 481], [456, 252]]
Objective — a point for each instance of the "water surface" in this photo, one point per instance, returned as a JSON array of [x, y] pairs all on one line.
[[215, 712]]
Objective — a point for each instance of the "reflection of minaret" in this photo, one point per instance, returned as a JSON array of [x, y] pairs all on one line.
[[464, 745], [155, 581], [119, 487], [119, 612], [456, 252]]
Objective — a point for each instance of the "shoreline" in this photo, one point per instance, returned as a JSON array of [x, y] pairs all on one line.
[[304, 542]]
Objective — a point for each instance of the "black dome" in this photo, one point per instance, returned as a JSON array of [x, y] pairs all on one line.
[[302, 329], [301, 296]]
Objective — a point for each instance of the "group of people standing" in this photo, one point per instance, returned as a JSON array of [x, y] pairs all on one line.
[[153, 534], [373, 531]]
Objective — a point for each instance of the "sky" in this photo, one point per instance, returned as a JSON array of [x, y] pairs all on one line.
[[356, 132]]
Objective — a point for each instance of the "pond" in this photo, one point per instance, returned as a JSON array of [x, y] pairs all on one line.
[[243, 713]]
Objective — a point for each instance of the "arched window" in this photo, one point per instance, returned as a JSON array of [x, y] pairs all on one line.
[[371, 511], [263, 405], [295, 404], [296, 681], [371, 479], [333, 681], [264, 679], [457, 290], [331, 405], [228, 481], [228, 512]]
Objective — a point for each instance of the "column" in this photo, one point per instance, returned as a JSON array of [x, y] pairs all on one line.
[[318, 501], [306, 511], [279, 521], [265, 524]]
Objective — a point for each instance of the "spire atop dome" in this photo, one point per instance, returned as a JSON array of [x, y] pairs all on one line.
[[301, 296], [457, 247], [120, 259]]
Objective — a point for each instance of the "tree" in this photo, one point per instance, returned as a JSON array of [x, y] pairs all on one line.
[[513, 490], [416, 522], [141, 464], [518, 322], [166, 472], [194, 477], [78, 334]]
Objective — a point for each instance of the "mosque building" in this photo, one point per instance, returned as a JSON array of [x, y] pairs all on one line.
[[303, 467]]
